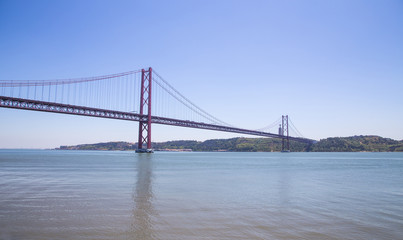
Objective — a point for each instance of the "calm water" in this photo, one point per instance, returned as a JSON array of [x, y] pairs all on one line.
[[123, 195]]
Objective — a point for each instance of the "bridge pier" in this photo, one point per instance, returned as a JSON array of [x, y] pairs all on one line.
[[145, 105], [285, 141]]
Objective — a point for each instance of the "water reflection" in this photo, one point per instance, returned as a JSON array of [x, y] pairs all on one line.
[[284, 186], [142, 196]]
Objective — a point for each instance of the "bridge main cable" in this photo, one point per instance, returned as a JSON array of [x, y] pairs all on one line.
[[114, 96]]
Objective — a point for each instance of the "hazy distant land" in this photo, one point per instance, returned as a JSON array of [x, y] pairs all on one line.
[[334, 144]]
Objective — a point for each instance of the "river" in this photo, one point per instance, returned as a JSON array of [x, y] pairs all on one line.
[[47, 194]]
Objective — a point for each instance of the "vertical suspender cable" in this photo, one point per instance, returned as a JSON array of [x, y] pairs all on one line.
[[126, 93], [109, 93], [56, 92], [79, 94], [68, 93], [12, 91], [35, 91], [62, 91], [119, 94], [43, 87], [50, 85], [75, 93], [19, 90], [87, 95]]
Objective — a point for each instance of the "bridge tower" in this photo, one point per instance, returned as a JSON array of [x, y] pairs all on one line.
[[145, 110], [285, 140]]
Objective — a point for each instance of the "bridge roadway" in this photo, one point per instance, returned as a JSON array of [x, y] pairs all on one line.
[[26, 104]]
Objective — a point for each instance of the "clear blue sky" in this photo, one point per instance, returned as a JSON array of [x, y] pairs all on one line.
[[336, 67]]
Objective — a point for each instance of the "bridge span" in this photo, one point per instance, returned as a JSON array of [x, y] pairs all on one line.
[[44, 96]]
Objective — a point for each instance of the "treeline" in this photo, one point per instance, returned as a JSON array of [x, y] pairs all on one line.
[[358, 144], [337, 144], [232, 145], [108, 146]]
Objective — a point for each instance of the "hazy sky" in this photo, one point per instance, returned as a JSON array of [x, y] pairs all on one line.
[[335, 67]]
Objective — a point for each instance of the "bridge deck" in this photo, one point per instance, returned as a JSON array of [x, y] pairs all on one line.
[[34, 105]]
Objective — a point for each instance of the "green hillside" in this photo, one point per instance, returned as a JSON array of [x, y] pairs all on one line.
[[358, 144], [336, 144]]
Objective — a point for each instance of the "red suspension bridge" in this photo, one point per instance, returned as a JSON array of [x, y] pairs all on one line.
[[142, 96]]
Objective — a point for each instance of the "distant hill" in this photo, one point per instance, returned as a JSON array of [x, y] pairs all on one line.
[[335, 144], [358, 144], [108, 146]]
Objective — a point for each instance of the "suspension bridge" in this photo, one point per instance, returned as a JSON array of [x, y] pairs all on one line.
[[142, 96]]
